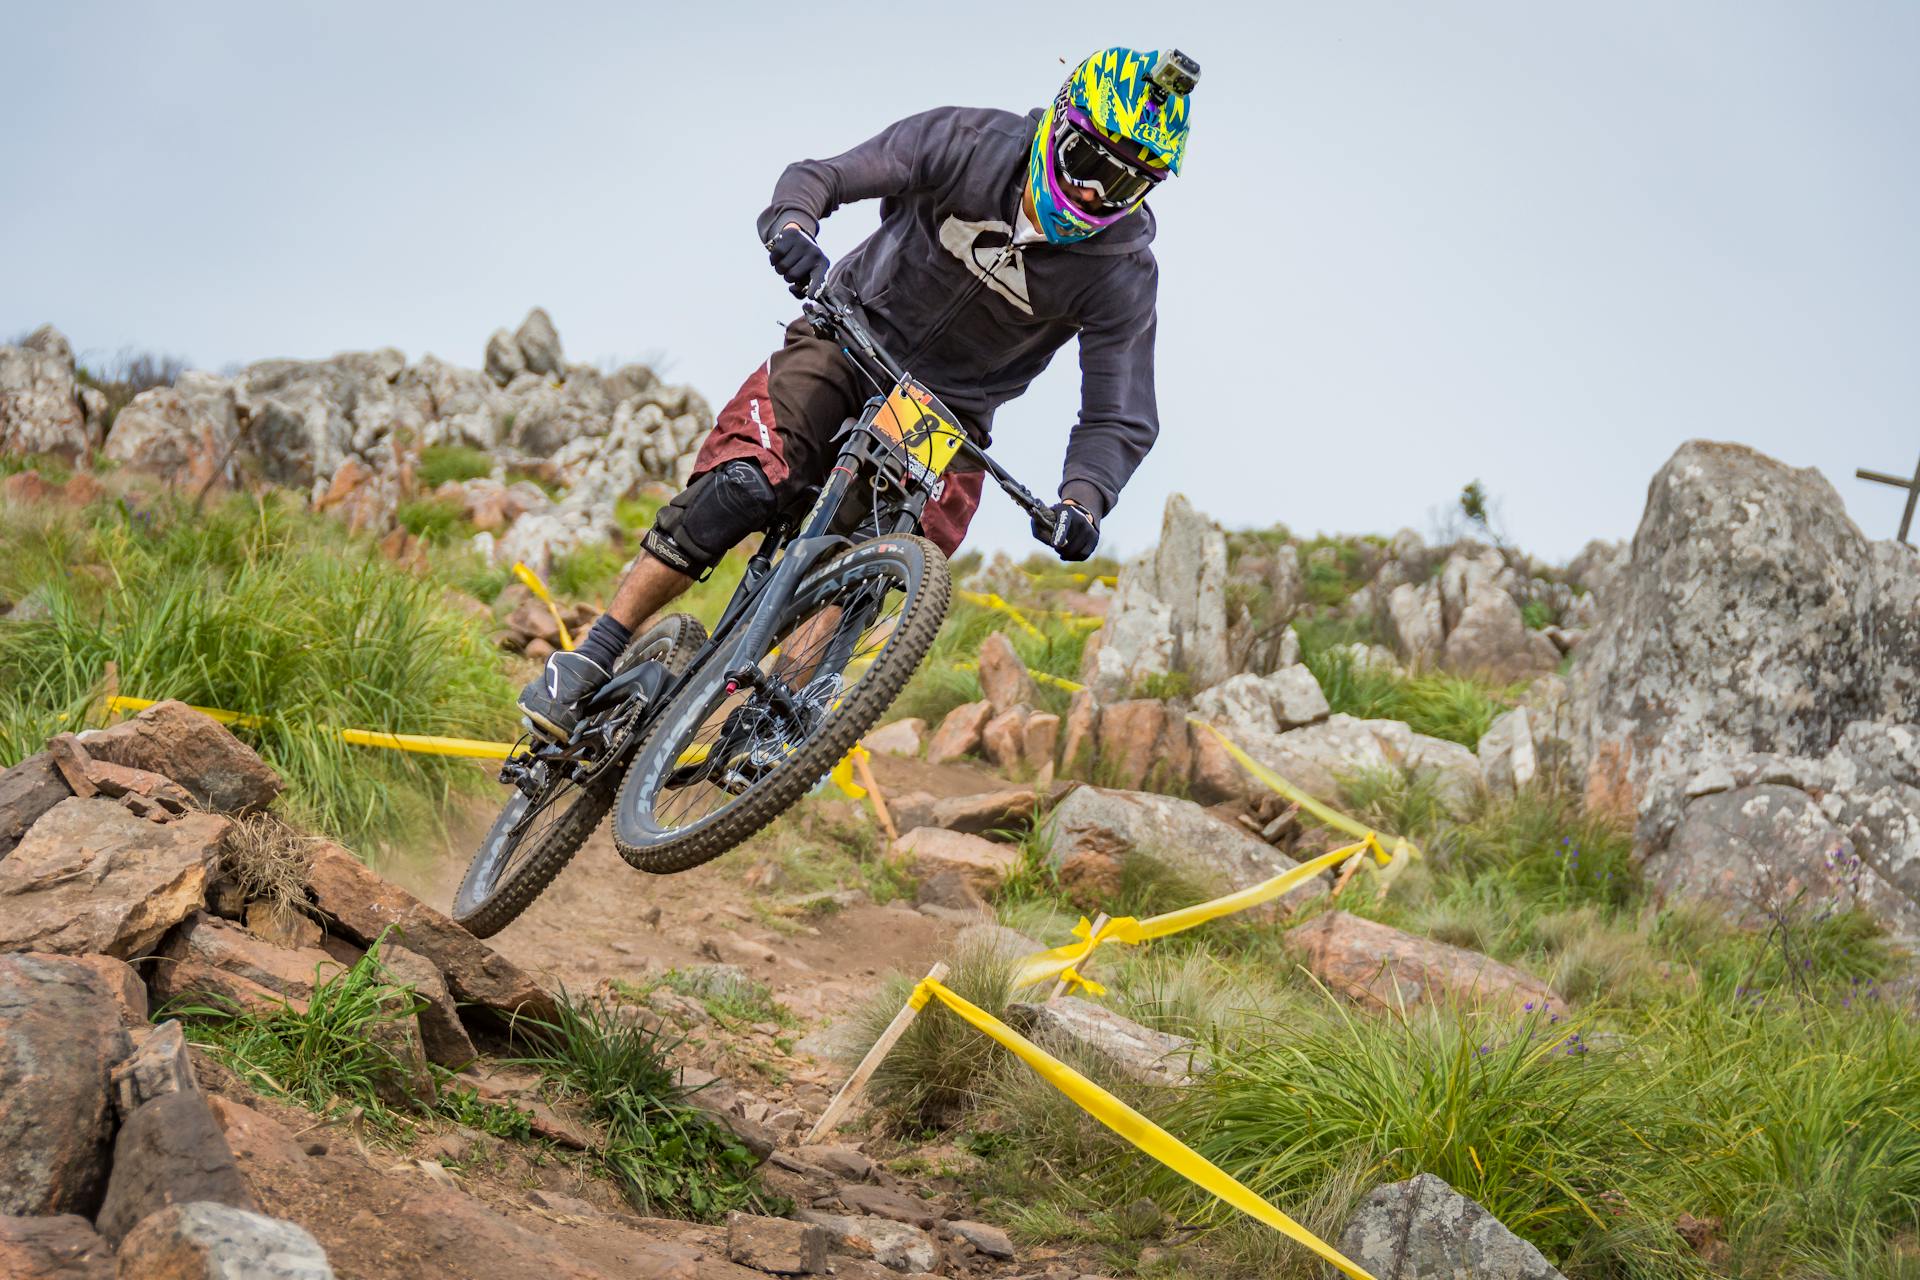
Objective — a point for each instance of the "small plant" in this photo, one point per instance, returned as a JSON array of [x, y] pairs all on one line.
[[669, 1156], [335, 1054], [435, 521], [935, 1069], [589, 571], [1164, 685], [465, 1106], [730, 997], [1537, 615]]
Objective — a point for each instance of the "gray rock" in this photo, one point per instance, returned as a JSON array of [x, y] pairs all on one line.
[[49, 341], [1508, 761], [1491, 640], [158, 1066], [1413, 622], [1317, 757], [1190, 575], [539, 344], [1097, 822], [1297, 697], [221, 1242], [989, 1240], [1137, 1052], [1137, 642], [1469, 567], [40, 409], [1239, 705], [503, 360], [1598, 565], [186, 433], [1422, 1229], [893, 1245], [1752, 617]]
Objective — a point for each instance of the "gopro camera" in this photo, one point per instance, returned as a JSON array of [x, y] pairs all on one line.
[[1175, 72]]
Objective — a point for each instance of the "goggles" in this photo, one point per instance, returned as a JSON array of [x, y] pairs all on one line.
[[1084, 159]]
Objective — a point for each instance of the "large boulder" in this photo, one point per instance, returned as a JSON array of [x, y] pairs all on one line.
[[40, 406], [1137, 642], [1752, 617], [1422, 1229], [1098, 823], [173, 740], [91, 877], [1380, 966], [186, 433], [1169, 612], [208, 957], [27, 791], [309, 416], [60, 1038], [1144, 742], [1249, 703], [1414, 622], [1003, 676], [1318, 757]]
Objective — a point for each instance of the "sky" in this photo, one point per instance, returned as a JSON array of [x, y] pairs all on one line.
[[1539, 245]]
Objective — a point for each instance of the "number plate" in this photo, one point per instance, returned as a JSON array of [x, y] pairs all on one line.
[[914, 418]]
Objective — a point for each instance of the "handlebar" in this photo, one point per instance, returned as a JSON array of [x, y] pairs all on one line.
[[831, 310]]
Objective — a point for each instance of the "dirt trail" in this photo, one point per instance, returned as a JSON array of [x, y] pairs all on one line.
[[602, 919]]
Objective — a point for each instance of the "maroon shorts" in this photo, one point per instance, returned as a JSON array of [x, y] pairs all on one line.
[[785, 417]]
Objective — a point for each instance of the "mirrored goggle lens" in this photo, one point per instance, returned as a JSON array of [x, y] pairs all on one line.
[[1085, 163]]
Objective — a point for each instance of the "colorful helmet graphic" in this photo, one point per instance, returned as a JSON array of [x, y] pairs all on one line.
[[1116, 130]]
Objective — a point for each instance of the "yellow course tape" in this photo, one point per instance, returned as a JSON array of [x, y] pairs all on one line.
[[1059, 962], [992, 600], [1134, 1127], [419, 744], [1106, 578], [1273, 781], [842, 774], [539, 590]]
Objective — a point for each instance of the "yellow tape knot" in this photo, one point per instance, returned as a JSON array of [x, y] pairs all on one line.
[[922, 992]]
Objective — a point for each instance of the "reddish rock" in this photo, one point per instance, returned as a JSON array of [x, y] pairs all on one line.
[[169, 1151], [159, 1065], [1383, 967], [363, 906], [82, 490], [205, 944], [60, 1038], [442, 1036], [934, 850], [1090, 878], [29, 486], [983, 811], [534, 621], [281, 926], [959, 734], [900, 738], [950, 891], [173, 740], [27, 791], [1216, 777], [120, 981], [1003, 676], [1042, 738], [1096, 820], [885, 1202], [1080, 734], [1003, 740], [58, 1248], [1143, 743], [91, 877], [779, 1245]]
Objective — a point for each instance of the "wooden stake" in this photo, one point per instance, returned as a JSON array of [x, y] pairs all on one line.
[[857, 1082], [864, 775], [1347, 872], [1060, 987]]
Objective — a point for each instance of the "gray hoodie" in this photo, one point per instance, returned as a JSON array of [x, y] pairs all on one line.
[[949, 181]]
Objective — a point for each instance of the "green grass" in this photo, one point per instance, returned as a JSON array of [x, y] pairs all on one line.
[[730, 999], [258, 608], [945, 680], [436, 521], [440, 463], [670, 1158], [1434, 703], [334, 1057]]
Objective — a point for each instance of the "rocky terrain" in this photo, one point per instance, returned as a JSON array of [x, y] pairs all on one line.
[[1671, 784], [564, 442]]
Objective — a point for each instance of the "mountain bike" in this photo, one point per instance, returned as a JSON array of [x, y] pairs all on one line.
[[698, 741]]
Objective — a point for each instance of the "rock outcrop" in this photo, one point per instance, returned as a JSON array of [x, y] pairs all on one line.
[[1757, 639], [41, 409], [1422, 1229]]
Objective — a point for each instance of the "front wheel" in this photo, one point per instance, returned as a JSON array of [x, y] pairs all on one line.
[[537, 835], [726, 757]]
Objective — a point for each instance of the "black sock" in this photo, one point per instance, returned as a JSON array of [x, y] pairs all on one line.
[[606, 642]]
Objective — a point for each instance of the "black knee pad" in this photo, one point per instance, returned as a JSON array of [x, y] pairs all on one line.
[[707, 518]]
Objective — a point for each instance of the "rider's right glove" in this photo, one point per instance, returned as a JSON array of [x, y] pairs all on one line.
[[1074, 536], [798, 259]]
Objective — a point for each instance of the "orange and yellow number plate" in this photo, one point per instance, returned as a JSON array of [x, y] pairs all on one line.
[[922, 426]]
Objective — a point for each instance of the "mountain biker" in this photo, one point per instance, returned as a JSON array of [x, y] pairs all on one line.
[[1001, 236]]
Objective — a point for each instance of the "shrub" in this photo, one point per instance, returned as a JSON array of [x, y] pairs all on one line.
[[1433, 703], [435, 521], [937, 1068]]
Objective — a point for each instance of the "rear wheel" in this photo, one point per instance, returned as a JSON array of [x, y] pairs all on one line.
[[536, 835], [721, 762]]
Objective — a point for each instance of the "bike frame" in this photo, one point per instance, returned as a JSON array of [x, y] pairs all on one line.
[[787, 553]]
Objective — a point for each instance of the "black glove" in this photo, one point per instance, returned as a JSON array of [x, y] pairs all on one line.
[[798, 259], [1075, 534]]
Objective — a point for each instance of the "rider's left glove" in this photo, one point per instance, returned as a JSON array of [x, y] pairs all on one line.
[[1075, 532], [799, 260]]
